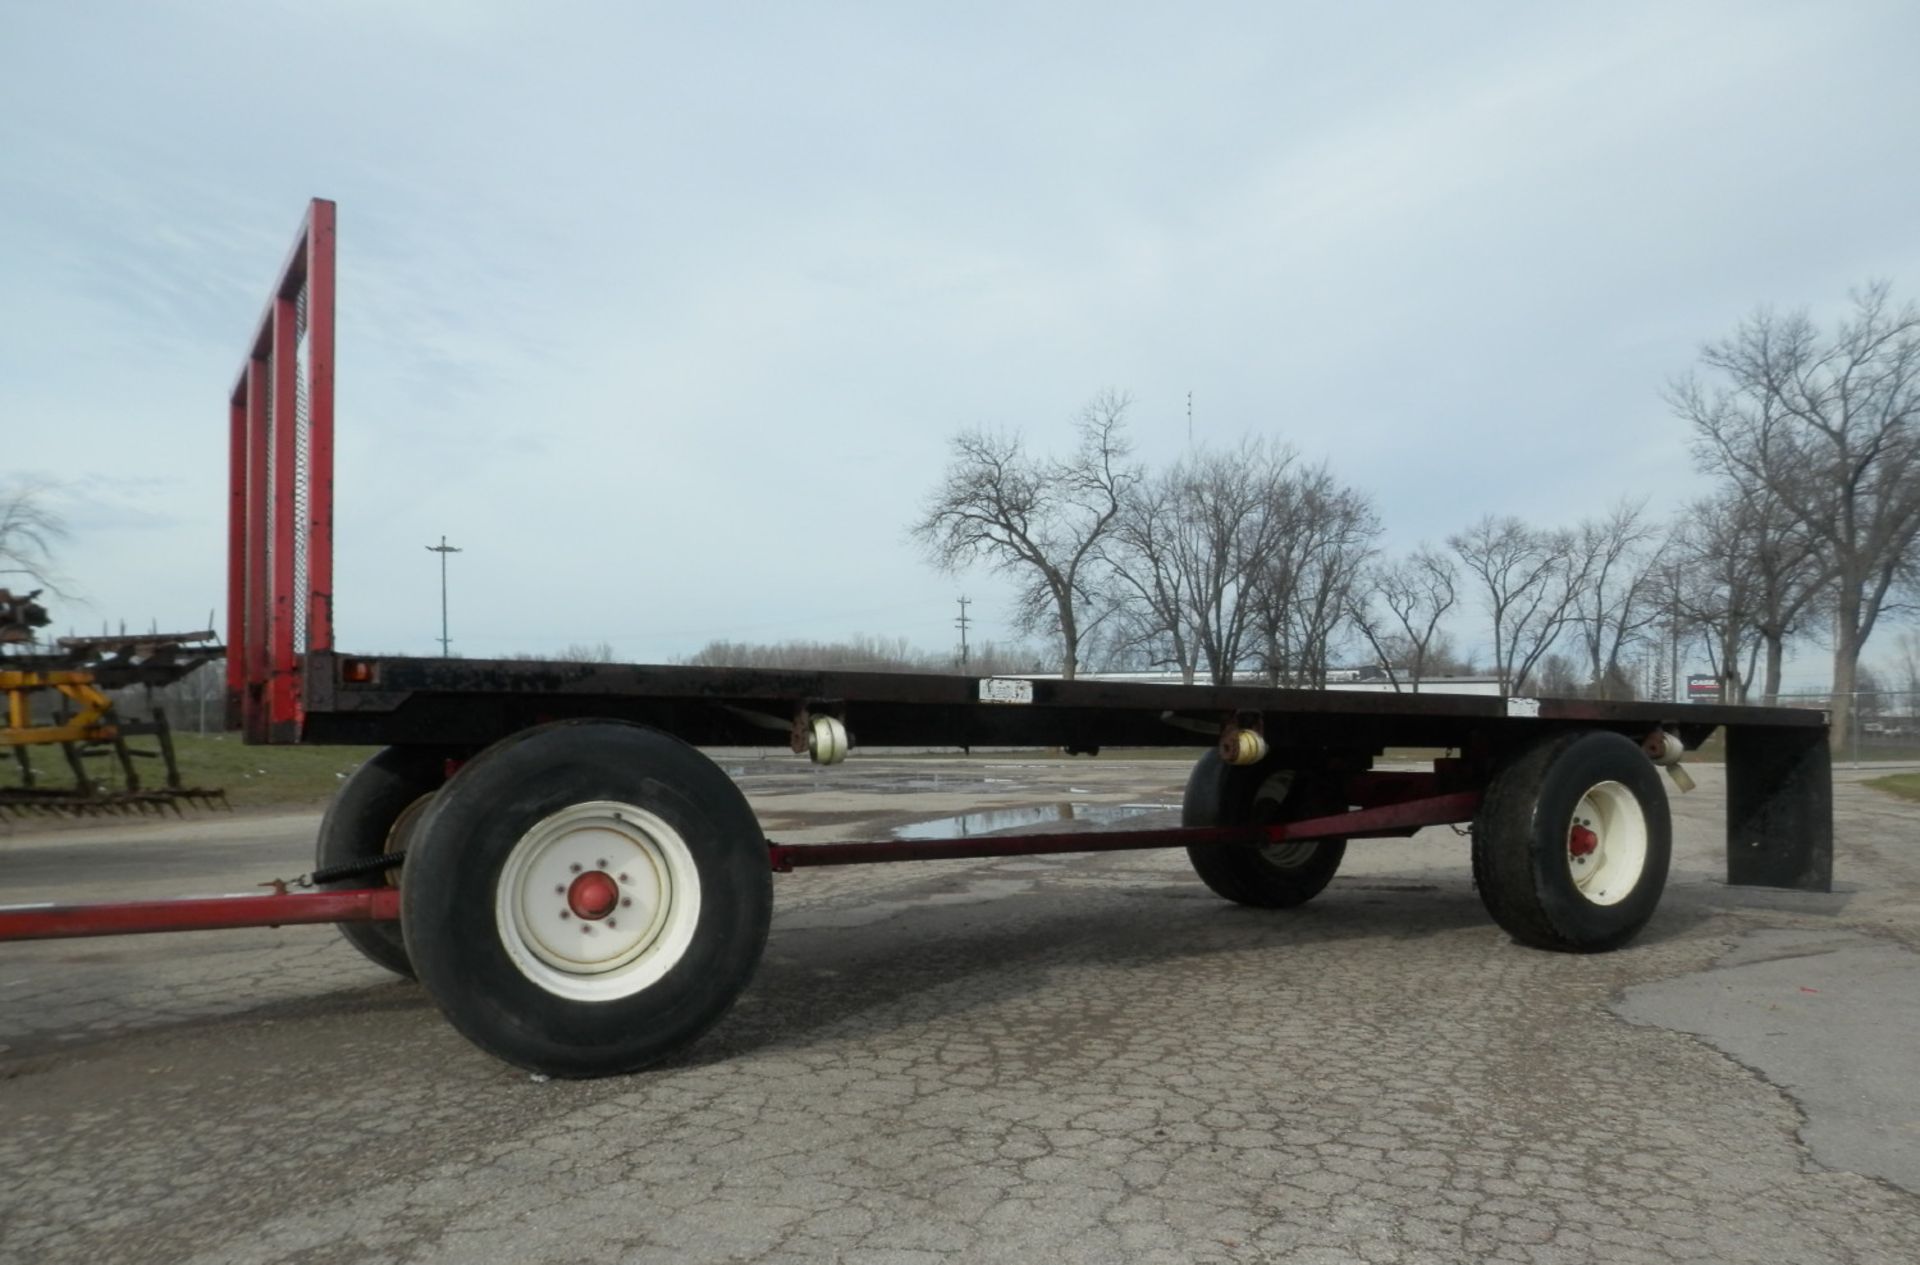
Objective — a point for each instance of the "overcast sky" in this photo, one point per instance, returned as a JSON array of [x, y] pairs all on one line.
[[664, 314]]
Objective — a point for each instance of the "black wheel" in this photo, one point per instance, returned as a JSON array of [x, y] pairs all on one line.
[[1273, 875], [587, 897], [1572, 842], [372, 814]]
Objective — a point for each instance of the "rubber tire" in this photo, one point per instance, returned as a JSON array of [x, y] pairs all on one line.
[[1221, 794], [1520, 843], [462, 844], [358, 823]]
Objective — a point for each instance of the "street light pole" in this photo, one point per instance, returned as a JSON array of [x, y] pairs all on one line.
[[443, 549]]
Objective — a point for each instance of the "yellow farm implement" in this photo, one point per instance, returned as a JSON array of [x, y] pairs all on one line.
[[81, 719]]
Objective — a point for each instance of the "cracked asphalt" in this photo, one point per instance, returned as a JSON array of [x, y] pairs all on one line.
[[1063, 1059]]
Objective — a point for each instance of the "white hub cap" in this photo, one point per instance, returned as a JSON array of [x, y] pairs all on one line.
[[1266, 810], [1607, 843], [598, 901]]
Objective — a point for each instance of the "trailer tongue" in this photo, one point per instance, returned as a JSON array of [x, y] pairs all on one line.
[[583, 892]]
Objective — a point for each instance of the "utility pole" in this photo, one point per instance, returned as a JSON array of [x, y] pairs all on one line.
[[443, 549], [961, 623], [1189, 419], [1673, 682]]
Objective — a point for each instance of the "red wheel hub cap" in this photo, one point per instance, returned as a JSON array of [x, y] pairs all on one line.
[[593, 895], [1582, 841]]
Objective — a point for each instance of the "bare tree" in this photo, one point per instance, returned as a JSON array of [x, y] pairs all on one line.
[[863, 653], [1416, 593], [1307, 586], [1906, 668], [31, 530], [1830, 426], [1793, 584], [1749, 583], [197, 700], [1869, 695], [1039, 520], [1236, 557], [1711, 591], [1618, 603], [1241, 507], [1530, 580], [1145, 556], [1557, 677]]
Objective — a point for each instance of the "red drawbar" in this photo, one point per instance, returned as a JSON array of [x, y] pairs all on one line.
[[199, 913]]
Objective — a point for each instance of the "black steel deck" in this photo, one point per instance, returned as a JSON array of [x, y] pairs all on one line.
[[467, 702]]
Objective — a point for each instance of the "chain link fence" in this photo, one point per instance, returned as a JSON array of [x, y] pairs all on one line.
[[1883, 725]]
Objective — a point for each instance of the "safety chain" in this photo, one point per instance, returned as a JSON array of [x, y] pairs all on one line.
[[347, 869]]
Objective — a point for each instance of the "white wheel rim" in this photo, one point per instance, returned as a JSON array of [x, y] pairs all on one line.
[[1607, 844], [598, 901], [1274, 791]]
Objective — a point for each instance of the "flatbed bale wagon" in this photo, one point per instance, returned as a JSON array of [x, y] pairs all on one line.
[[583, 892]]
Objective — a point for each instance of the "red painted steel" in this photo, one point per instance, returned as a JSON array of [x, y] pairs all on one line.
[[254, 650], [199, 913], [236, 557], [282, 703], [1389, 820], [280, 470], [320, 291]]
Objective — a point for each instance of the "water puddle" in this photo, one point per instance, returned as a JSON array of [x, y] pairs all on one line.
[[992, 820]]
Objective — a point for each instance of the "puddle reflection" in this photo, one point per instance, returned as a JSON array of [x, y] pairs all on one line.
[[988, 821]]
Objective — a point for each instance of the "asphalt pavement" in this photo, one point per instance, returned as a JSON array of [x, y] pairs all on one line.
[[1059, 1059]]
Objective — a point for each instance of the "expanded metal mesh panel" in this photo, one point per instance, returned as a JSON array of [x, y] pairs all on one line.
[[302, 472]]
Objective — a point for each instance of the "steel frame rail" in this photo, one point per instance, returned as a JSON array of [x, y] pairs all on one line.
[[382, 904], [1367, 823]]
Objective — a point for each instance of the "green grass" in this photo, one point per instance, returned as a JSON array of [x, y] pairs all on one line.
[[253, 777], [1870, 751], [1905, 785]]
